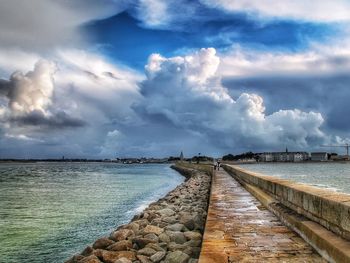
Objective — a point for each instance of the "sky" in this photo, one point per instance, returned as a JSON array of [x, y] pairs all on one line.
[[127, 78]]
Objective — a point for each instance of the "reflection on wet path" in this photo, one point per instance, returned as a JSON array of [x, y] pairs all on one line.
[[240, 229]]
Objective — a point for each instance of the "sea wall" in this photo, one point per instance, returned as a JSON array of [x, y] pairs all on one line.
[[330, 209], [320, 216], [169, 230]]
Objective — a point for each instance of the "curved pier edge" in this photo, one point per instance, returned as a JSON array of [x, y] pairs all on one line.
[[332, 246], [168, 230]]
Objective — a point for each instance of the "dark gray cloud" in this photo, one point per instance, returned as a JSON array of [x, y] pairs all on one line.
[[59, 120], [329, 95]]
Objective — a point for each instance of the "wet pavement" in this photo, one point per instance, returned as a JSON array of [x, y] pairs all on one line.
[[240, 229]]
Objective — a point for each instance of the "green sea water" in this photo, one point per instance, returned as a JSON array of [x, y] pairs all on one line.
[[50, 211]]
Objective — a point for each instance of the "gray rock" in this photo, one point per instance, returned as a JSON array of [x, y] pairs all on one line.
[[193, 235], [142, 242], [143, 259], [199, 222], [175, 227], [188, 221], [196, 252], [188, 251], [176, 236], [156, 247], [164, 238], [166, 212], [152, 236], [169, 219], [157, 257], [172, 246], [176, 257], [163, 245], [147, 251], [193, 243]]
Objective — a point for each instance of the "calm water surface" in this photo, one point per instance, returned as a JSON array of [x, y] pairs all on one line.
[[50, 211], [334, 176]]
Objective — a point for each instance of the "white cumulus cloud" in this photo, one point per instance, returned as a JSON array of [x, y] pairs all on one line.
[[32, 91], [188, 93], [320, 60]]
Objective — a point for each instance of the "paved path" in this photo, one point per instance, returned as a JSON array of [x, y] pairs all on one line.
[[240, 229]]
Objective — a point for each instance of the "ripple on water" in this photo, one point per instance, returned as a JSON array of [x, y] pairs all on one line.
[[49, 211]]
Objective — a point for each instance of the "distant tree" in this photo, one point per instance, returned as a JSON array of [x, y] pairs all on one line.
[[247, 155], [172, 158], [202, 158], [228, 157]]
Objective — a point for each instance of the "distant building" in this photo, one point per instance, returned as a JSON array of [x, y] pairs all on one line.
[[300, 156], [319, 156], [181, 156], [266, 157], [283, 156]]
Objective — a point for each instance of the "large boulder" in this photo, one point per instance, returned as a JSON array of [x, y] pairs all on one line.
[[87, 251], [152, 229], [120, 245], [135, 227], [90, 259], [142, 242], [102, 243], [122, 234], [112, 256], [175, 227]]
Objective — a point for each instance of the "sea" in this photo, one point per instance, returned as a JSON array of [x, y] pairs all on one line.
[[51, 211], [330, 175]]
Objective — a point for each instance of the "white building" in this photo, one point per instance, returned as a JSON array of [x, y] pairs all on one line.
[[283, 156]]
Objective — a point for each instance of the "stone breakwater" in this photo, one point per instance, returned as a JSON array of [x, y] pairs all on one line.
[[169, 230]]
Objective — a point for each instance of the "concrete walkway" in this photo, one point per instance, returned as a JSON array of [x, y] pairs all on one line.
[[240, 229]]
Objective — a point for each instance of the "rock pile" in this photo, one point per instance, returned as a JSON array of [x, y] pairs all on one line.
[[169, 230]]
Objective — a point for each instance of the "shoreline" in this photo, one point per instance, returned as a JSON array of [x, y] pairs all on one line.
[[168, 230]]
